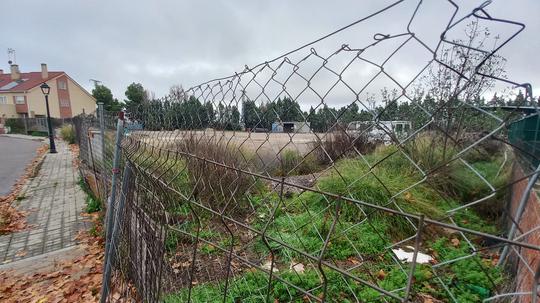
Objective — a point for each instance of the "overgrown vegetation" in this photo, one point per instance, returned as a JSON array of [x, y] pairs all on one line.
[[421, 177], [292, 162], [211, 182], [93, 203], [67, 132], [16, 126], [39, 134], [339, 144]]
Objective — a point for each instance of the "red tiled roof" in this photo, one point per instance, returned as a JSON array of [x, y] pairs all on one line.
[[28, 81]]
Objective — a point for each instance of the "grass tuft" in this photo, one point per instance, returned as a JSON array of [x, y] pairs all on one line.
[[67, 132]]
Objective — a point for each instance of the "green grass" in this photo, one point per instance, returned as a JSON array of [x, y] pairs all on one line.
[[467, 277], [93, 204], [307, 231], [293, 163], [39, 134], [94, 231]]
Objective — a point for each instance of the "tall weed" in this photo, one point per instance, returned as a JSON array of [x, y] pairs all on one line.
[[212, 169]]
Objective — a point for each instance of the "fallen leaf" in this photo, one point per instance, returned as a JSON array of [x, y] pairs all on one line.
[[353, 260], [60, 284], [21, 253], [409, 197], [381, 275]]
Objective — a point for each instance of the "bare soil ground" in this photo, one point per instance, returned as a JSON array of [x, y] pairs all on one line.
[[269, 143]]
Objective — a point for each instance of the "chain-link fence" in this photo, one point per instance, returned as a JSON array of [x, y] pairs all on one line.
[[328, 174], [30, 126], [96, 141]]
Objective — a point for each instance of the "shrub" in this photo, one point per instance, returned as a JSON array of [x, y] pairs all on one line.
[[215, 185], [428, 150], [339, 144], [292, 163], [16, 125], [455, 179], [67, 132]]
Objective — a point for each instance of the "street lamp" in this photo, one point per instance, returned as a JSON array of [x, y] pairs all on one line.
[[45, 89]]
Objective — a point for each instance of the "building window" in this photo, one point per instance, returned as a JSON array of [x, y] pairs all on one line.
[[64, 103], [3, 100], [62, 85], [19, 100]]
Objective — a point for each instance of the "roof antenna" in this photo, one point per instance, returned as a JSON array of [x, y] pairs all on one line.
[[96, 82], [12, 57]]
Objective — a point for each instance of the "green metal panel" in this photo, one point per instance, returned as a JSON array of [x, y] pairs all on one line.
[[525, 135]]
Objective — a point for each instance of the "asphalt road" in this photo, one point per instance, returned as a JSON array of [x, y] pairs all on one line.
[[15, 154]]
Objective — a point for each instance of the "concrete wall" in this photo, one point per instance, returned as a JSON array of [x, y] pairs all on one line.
[[531, 219]]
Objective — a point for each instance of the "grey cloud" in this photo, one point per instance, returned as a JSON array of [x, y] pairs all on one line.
[[162, 43]]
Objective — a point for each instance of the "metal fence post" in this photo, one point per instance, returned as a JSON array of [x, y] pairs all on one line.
[[102, 157], [115, 171], [109, 257], [25, 125], [102, 130], [417, 241]]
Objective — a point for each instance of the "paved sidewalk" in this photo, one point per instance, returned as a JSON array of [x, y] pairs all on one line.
[[54, 201]]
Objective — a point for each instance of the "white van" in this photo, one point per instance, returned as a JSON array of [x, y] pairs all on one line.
[[380, 130]]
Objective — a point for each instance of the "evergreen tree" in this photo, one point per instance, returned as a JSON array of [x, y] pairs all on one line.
[[103, 94], [135, 95]]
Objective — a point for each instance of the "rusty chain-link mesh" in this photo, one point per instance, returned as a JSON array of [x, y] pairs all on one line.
[[95, 161], [331, 174]]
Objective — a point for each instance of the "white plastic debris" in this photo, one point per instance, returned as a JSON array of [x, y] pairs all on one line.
[[268, 265], [407, 256], [298, 267]]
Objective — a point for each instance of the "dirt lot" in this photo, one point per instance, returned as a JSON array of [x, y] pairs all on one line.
[[262, 143]]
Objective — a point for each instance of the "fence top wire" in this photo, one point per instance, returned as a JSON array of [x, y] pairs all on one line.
[[246, 150]]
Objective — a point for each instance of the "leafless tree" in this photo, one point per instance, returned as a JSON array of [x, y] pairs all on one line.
[[177, 92], [466, 70]]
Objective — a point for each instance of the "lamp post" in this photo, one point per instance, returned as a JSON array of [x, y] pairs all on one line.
[[45, 89]]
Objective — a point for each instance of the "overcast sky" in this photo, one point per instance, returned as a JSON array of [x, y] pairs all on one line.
[[163, 43]]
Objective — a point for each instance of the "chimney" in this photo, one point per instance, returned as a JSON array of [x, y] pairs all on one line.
[[1, 71], [44, 71], [15, 74]]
